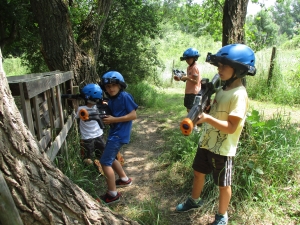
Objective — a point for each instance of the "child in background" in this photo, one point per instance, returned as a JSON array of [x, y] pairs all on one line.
[[123, 110], [193, 77], [92, 142], [222, 128]]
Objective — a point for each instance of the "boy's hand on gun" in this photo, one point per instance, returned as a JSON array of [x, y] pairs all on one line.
[[176, 78], [201, 118], [108, 119], [178, 75]]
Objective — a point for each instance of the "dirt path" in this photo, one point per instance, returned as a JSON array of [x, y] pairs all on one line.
[[146, 145]]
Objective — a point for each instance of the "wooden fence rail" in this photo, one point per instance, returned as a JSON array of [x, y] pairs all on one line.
[[38, 97]]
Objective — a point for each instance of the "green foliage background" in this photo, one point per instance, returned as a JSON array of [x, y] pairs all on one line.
[[144, 42]]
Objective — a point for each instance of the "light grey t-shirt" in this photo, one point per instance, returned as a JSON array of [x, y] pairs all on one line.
[[88, 129]]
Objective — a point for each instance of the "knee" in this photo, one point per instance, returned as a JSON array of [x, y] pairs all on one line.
[[224, 188], [198, 175]]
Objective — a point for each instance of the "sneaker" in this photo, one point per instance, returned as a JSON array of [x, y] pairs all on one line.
[[121, 183], [188, 205], [98, 166], [220, 220], [108, 199]]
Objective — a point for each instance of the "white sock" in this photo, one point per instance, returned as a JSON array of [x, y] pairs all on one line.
[[124, 179], [225, 215], [197, 200], [113, 193]]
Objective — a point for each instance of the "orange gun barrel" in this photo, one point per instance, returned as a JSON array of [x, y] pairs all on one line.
[[84, 114], [186, 126]]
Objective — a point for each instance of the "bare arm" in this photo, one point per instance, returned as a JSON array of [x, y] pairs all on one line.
[[111, 119], [228, 126], [194, 80]]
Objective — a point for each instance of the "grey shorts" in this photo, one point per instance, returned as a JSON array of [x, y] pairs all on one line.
[[221, 166], [93, 148]]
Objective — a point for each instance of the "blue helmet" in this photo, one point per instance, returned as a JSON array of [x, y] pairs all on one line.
[[92, 92], [190, 53], [238, 56], [113, 77]]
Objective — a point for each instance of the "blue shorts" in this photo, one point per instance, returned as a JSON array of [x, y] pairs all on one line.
[[113, 146]]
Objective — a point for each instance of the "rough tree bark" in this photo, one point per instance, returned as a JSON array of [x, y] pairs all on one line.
[[234, 17], [59, 48], [42, 193]]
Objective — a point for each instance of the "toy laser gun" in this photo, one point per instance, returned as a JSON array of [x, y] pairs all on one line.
[[201, 101], [91, 114], [178, 74]]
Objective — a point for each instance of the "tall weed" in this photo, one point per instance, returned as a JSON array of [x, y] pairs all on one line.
[[266, 165]]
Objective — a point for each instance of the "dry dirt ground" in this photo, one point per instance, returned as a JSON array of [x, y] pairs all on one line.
[[145, 146]]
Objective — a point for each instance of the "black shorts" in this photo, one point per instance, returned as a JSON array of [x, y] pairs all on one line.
[[93, 147], [189, 100], [221, 166]]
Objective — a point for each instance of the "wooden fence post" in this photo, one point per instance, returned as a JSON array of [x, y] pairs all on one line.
[[172, 72], [272, 64]]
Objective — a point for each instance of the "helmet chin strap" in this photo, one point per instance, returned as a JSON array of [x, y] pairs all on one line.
[[230, 81]]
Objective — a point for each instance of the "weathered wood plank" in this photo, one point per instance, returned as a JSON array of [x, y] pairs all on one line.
[[61, 137], [26, 107], [49, 103], [60, 110], [37, 86], [30, 76], [37, 119], [13, 81], [45, 139]]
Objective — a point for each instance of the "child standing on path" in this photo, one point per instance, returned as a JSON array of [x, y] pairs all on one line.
[[222, 128], [193, 77], [123, 109], [92, 142]]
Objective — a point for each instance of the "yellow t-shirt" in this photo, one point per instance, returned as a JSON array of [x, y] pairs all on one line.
[[233, 102]]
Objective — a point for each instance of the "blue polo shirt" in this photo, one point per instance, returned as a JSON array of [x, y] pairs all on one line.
[[121, 105]]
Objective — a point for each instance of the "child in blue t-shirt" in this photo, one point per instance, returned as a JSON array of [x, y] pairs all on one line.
[[123, 110]]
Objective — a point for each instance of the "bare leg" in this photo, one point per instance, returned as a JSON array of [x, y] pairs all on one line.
[[110, 177], [224, 199], [198, 183], [118, 169]]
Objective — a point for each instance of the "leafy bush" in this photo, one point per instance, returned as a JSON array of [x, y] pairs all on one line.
[[13, 66], [144, 94]]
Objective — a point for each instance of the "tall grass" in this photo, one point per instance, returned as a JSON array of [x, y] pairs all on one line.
[[284, 83], [85, 176], [266, 181]]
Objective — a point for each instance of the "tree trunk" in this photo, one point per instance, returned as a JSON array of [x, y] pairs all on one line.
[[234, 16], [41, 193], [59, 48]]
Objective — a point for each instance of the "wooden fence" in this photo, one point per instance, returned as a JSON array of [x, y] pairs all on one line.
[[48, 117]]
